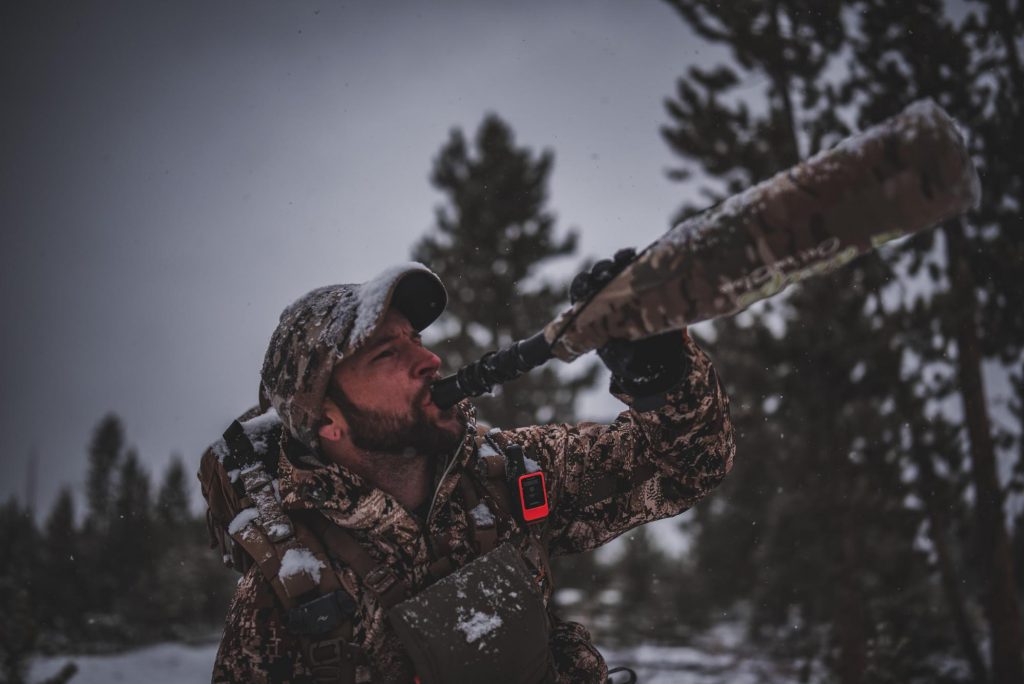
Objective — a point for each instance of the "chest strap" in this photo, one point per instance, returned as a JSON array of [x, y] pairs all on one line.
[[342, 547], [485, 532]]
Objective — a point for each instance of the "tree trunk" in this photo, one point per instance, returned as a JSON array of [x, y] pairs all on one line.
[[937, 526], [850, 620], [1001, 608], [1004, 25], [780, 80]]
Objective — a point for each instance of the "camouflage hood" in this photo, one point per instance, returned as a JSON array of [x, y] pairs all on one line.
[[329, 324]]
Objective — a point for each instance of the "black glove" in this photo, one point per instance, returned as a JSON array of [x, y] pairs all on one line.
[[640, 368]]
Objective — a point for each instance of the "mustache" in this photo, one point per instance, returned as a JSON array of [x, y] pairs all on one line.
[[425, 393]]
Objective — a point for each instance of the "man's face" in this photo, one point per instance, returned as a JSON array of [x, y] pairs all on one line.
[[385, 394]]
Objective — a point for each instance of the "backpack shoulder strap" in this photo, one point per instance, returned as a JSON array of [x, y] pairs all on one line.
[[238, 484], [342, 546]]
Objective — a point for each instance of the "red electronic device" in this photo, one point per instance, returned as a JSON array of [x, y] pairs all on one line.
[[533, 496]]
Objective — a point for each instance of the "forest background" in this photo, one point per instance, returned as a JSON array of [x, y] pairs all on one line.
[[873, 527]]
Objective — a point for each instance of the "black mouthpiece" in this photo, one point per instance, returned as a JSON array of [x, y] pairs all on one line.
[[493, 368]]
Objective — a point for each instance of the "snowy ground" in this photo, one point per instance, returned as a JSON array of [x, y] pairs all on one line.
[[672, 665], [180, 664], [161, 664]]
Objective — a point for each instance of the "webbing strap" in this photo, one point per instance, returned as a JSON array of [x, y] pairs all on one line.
[[380, 580], [486, 536], [497, 481]]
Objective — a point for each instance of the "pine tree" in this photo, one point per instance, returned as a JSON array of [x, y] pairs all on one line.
[[105, 453], [19, 619], [181, 573], [63, 603], [490, 243], [811, 374], [134, 550], [973, 70], [172, 503]]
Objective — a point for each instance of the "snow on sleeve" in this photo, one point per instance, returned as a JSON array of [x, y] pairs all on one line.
[[242, 519], [300, 560]]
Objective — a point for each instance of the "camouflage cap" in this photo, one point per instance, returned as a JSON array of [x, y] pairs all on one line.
[[327, 325]]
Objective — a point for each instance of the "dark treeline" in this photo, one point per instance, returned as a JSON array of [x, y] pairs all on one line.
[[132, 569]]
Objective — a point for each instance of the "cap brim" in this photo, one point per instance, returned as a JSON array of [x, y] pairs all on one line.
[[420, 296]]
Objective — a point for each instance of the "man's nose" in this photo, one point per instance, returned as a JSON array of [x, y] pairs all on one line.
[[427, 364]]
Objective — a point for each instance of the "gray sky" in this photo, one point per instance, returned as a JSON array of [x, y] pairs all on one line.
[[175, 173]]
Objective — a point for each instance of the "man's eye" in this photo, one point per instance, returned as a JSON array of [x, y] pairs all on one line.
[[384, 354]]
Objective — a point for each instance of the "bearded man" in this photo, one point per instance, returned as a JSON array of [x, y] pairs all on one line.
[[421, 556]]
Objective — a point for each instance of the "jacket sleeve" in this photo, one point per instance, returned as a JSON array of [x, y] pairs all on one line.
[[603, 480], [255, 646]]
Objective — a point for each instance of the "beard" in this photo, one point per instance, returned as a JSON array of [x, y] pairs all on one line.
[[405, 435]]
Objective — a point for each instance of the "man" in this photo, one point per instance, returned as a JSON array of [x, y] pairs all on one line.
[[394, 487]]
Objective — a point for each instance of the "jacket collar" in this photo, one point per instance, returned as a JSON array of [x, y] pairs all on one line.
[[306, 483]]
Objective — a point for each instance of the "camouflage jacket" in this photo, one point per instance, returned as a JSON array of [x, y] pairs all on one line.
[[602, 480]]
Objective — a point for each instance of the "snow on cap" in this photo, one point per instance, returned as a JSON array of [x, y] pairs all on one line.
[[329, 324]]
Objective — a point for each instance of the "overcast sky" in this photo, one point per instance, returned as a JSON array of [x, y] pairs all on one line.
[[175, 173]]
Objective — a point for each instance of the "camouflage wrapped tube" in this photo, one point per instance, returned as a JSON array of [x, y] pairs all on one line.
[[904, 175]]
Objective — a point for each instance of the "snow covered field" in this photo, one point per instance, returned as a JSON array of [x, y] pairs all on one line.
[[180, 664], [672, 665], [161, 664]]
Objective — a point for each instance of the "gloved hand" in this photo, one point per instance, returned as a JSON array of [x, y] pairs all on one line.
[[640, 368]]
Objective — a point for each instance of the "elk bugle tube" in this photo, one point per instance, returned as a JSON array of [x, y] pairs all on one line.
[[906, 174]]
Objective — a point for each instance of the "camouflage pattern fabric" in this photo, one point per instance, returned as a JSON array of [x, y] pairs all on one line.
[[904, 175], [602, 481]]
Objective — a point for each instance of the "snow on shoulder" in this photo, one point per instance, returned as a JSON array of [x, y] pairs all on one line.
[[260, 428], [246, 516], [300, 560]]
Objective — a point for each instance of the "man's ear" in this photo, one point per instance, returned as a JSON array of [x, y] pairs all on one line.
[[334, 425]]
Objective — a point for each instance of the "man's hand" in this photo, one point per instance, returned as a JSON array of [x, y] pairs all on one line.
[[640, 368]]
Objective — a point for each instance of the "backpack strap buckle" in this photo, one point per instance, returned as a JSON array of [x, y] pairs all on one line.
[[333, 661], [323, 614], [380, 579]]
